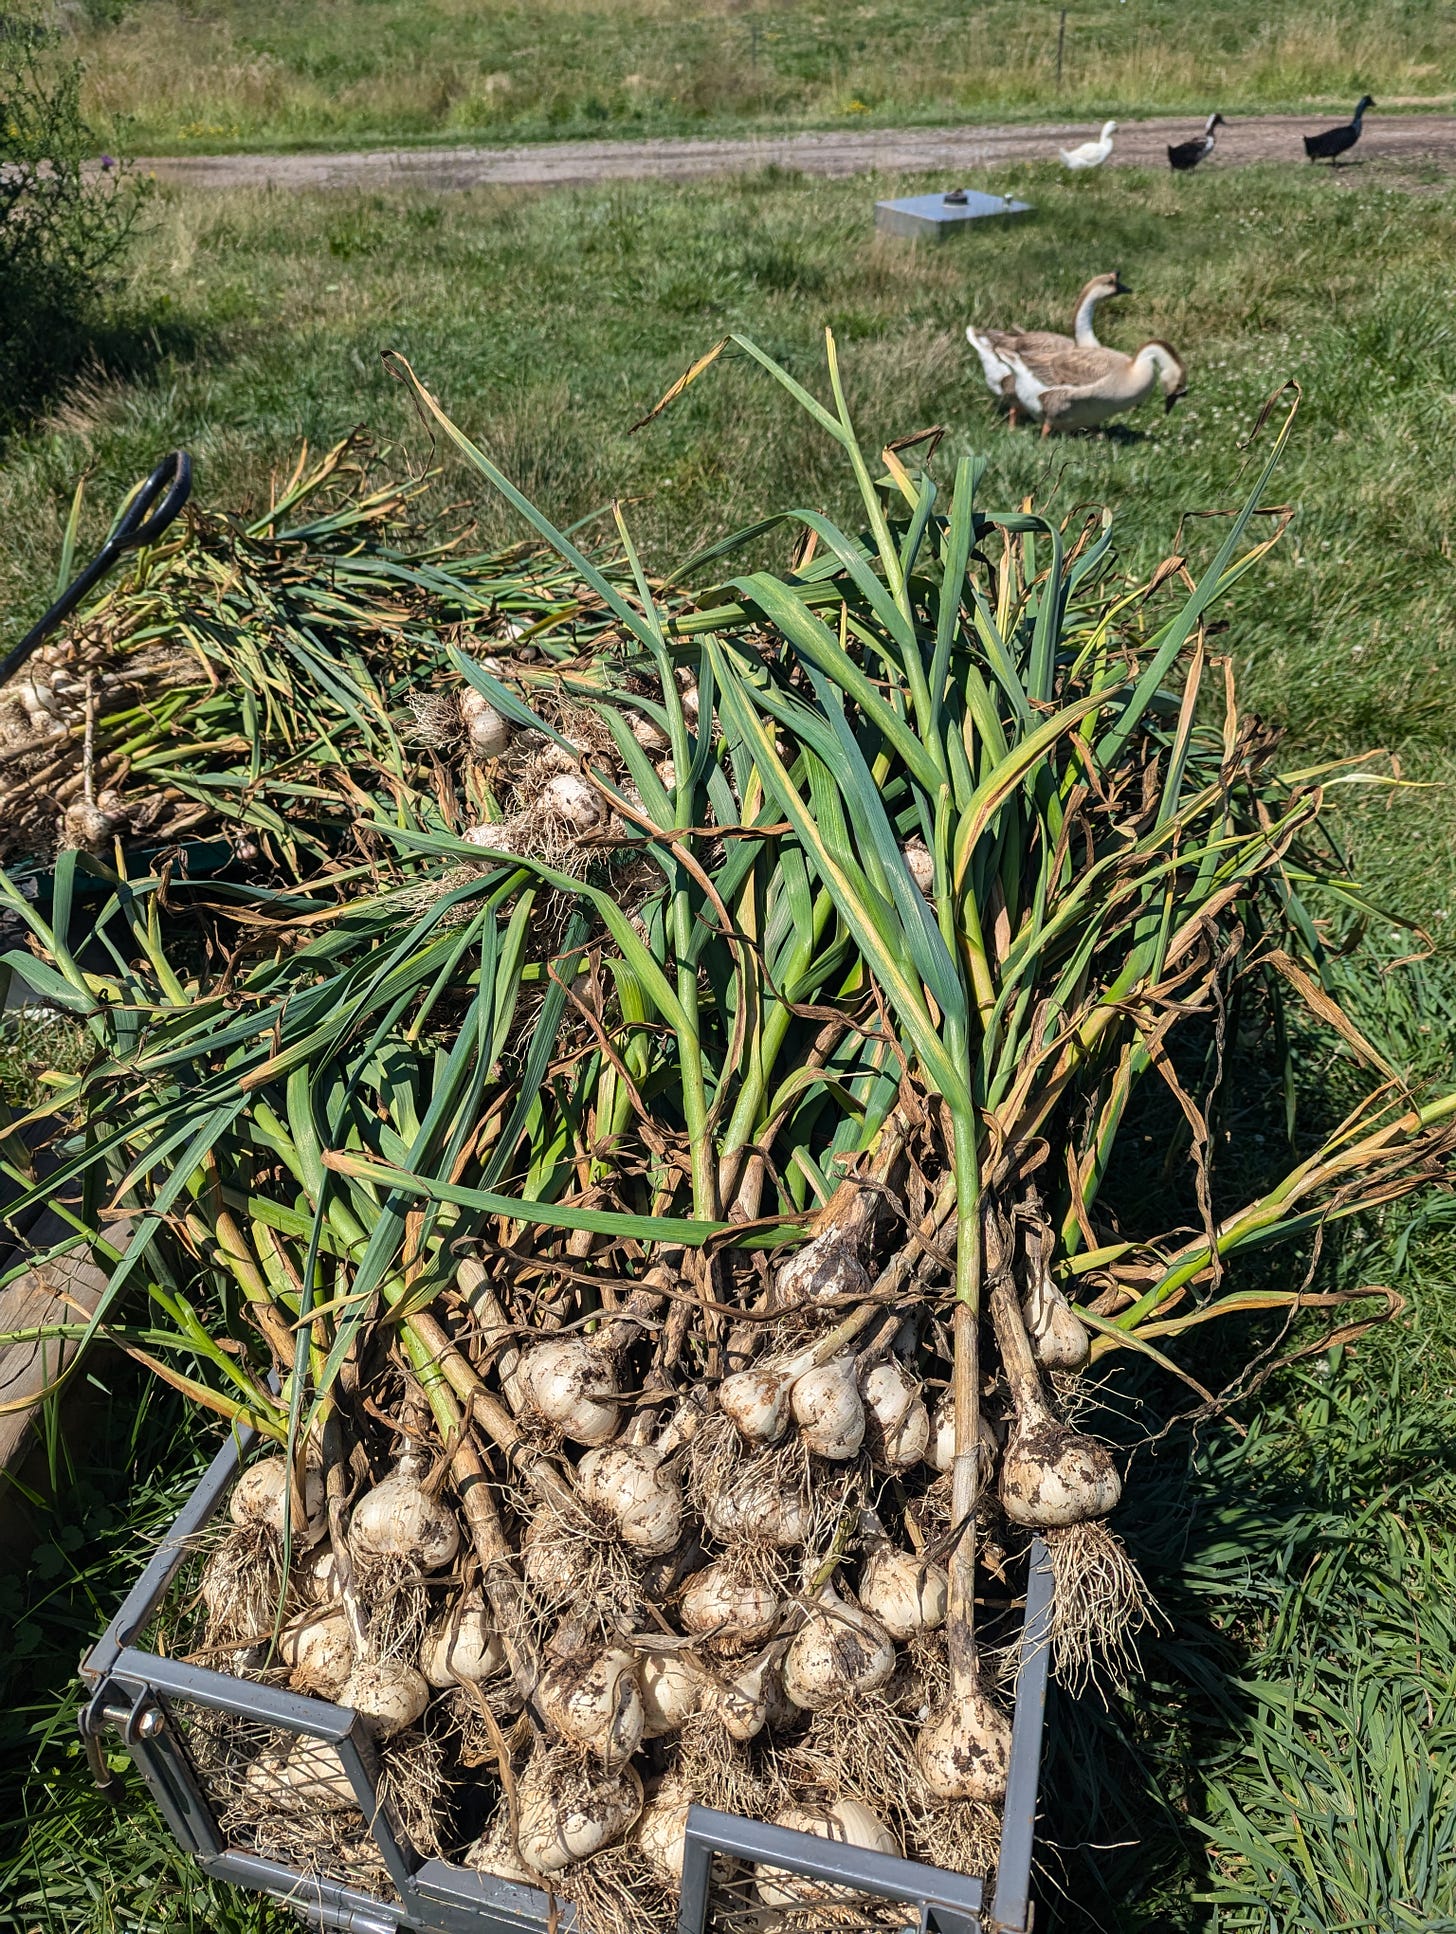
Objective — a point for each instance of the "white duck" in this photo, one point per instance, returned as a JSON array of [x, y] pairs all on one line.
[[1078, 389], [992, 345], [1091, 154]]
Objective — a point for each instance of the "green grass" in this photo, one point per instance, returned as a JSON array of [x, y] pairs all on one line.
[[174, 75], [1307, 1570]]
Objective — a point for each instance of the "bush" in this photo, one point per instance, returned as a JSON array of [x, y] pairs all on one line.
[[66, 215]]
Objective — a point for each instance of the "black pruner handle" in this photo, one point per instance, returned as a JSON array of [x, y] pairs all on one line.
[[148, 514]]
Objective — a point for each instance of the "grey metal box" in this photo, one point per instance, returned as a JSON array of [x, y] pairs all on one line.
[[930, 218]]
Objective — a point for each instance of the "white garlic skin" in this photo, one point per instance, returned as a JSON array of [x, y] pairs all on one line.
[[319, 1651], [758, 1402], [848, 1821], [644, 1501], [673, 1688], [488, 732], [905, 1594], [941, 1450], [1054, 1476], [259, 1497], [661, 1833], [838, 1649], [897, 1419], [759, 1509], [572, 1386], [461, 1646], [921, 865], [745, 1611], [387, 1694], [827, 1266], [964, 1749], [564, 1819], [829, 1411], [647, 732], [594, 1700], [574, 800], [308, 1778], [400, 1520]]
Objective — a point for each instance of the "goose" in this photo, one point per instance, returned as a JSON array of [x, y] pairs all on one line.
[[1091, 154], [1188, 154], [991, 345], [1334, 142], [1077, 389]]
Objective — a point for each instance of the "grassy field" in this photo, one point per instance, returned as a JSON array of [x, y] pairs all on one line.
[[1294, 1766], [205, 75]]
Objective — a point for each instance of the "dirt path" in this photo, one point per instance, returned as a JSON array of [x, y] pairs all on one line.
[[1393, 143]]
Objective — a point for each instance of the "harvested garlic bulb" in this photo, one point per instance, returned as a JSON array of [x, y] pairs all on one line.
[[462, 1646], [319, 1650], [757, 1401], [644, 1501], [593, 1699], [964, 1748], [1050, 1474], [848, 1821], [573, 800], [759, 1509], [486, 730], [837, 1650], [572, 1386], [399, 1520], [897, 1419], [825, 1267], [568, 1814], [260, 1495], [828, 1410], [673, 1688], [387, 1694], [734, 1612], [905, 1594], [661, 1834]]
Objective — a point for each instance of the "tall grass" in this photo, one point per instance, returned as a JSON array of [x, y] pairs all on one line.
[[233, 75]]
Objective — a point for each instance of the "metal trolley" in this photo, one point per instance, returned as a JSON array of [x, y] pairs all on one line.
[[150, 1700]]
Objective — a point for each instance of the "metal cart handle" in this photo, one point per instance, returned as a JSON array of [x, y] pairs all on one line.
[[144, 518]]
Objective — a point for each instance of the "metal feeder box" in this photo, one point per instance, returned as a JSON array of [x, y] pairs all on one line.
[[156, 1704], [931, 218]]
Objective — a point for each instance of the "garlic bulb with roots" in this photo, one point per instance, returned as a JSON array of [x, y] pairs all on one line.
[[566, 1813], [398, 1520], [1050, 1474], [896, 1415], [741, 1701], [758, 1401], [461, 1647], [647, 732], [838, 1650], [661, 1833], [387, 1694], [1059, 1340], [732, 1611], [829, 1411], [758, 1507], [307, 1777], [571, 1385], [574, 801], [644, 1501], [487, 732], [964, 1747], [319, 1651], [905, 1593], [593, 1699], [673, 1687], [827, 1266], [261, 1496], [848, 1820]]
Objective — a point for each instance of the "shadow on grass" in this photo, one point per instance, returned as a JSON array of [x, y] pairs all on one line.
[[49, 344]]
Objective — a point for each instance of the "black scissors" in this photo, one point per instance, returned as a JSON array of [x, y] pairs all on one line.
[[148, 514]]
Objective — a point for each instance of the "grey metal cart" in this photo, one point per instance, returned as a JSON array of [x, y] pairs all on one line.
[[147, 1698]]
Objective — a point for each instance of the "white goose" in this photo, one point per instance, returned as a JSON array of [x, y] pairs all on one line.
[[1091, 154], [1078, 389], [992, 345]]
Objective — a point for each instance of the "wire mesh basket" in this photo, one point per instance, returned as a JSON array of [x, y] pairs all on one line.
[[199, 1737]]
